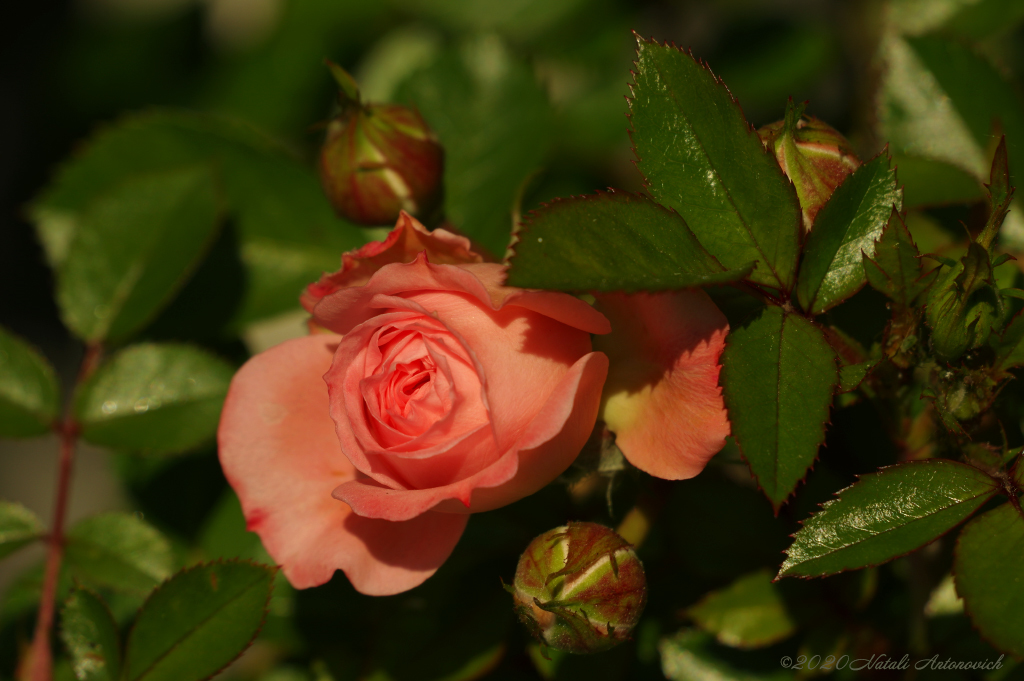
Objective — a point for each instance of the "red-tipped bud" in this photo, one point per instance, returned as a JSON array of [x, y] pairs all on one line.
[[814, 156], [580, 588], [380, 159]]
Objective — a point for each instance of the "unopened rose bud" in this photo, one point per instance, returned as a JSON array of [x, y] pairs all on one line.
[[814, 156], [580, 588], [380, 159]]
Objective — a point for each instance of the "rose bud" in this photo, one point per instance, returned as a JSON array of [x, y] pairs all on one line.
[[580, 588], [814, 156], [380, 159]]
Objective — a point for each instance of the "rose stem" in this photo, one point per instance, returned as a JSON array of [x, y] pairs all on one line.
[[40, 657]]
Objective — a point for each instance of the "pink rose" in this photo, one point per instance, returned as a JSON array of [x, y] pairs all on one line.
[[662, 399], [445, 393]]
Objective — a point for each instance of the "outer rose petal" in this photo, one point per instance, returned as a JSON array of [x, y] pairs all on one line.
[[662, 398], [408, 239], [279, 451], [545, 449]]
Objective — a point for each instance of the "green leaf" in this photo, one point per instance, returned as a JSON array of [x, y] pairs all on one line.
[[155, 398], [843, 232], [615, 241], [288, 231], [29, 394], [987, 570], [895, 269], [852, 375], [90, 635], [120, 551], [198, 622], [885, 515], [977, 20], [493, 119], [18, 527], [749, 613], [700, 156], [778, 377], [133, 249], [691, 655]]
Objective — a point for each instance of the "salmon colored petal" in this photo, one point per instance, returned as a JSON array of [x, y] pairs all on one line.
[[280, 453], [346, 308], [662, 399], [545, 450], [402, 244]]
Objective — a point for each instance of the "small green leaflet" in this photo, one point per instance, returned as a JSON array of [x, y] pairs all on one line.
[[885, 515], [119, 551], [133, 249], [29, 394], [749, 613], [843, 232], [987, 568], [156, 398], [198, 622], [89, 633], [778, 377], [700, 156], [895, 269], [614, 241], [18, 527]]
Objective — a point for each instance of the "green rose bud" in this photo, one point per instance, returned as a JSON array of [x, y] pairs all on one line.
[[380, 159], [814, 156], [580, 588]]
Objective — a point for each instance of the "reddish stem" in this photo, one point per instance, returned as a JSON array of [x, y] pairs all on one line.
[[41, 657]]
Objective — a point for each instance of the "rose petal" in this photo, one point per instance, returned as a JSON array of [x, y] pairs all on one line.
[[280, 453], [545, 449], [402, 244], [662, 398]]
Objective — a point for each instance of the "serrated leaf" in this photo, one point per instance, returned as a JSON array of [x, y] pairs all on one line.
[[895, 269], [119, 551], [133, 249], [289, 234], [494, 122], [844, 231], [90, 635], [986, 567], [156, 398], [691, 655], [699, 155], [749, 613], [29, 394], [885, 515], [615, 241], [778, 377], [196, 623], [18, 527], [852, 375]]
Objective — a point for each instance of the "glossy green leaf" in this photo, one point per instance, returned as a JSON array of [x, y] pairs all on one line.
[[844, 231], [493, 119], [29, 394], [885, 515], [895, 267], [198, 622], [156, 398], [691, 655], [701, 157], [289, 234], [90, 636], [119, 551], [18, 527], [749, 613], [133, 249], [987, 569], [778, 377], [615, 241]]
